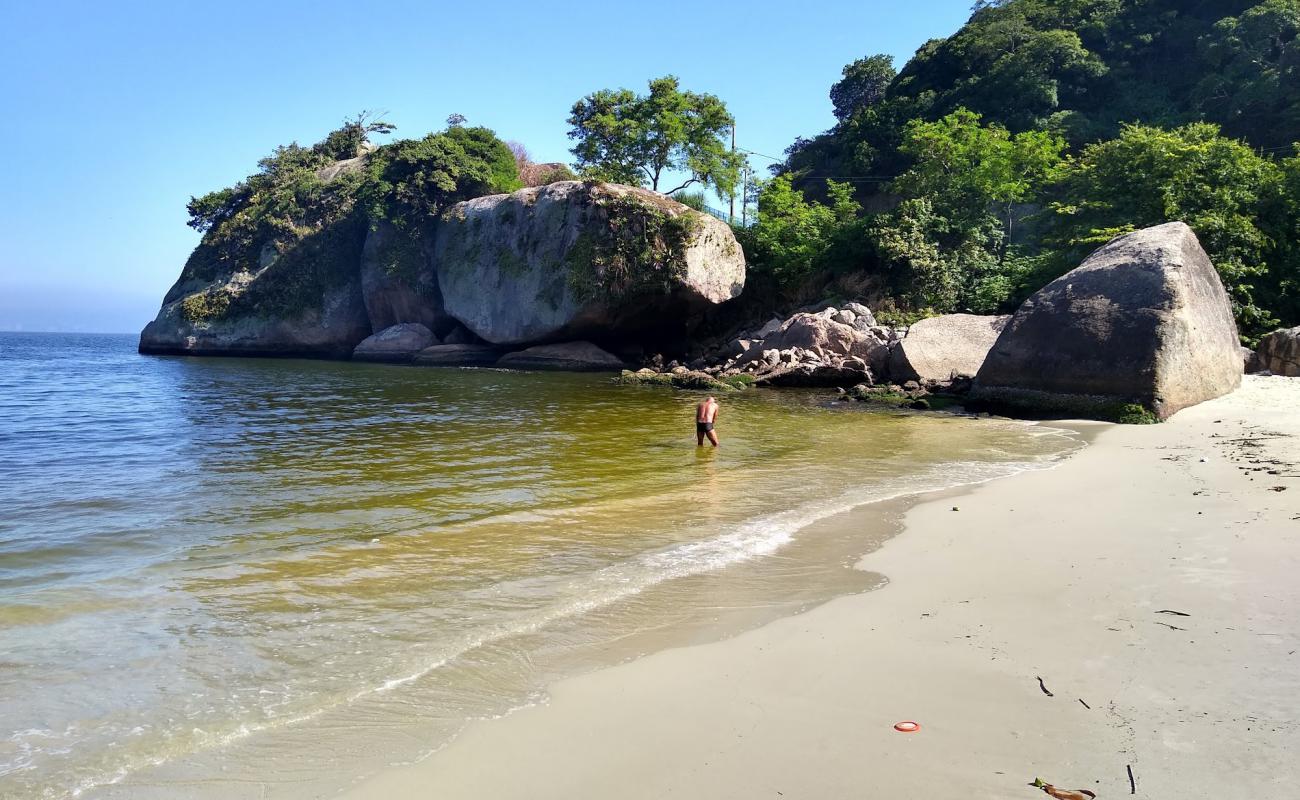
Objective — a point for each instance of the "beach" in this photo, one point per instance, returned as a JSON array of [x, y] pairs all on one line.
[[1125, 622]]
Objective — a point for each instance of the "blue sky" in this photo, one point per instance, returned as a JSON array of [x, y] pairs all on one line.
[[118, 112]]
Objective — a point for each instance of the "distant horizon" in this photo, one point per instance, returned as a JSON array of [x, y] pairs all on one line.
[[68, 333], [135, 109]]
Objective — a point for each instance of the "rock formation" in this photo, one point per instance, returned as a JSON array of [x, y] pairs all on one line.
[[1143, 320], [259, 312], [458, 355], [1279, 353], [574, 259], [397, 343], [398, 282], [569, 356], [938, 348]]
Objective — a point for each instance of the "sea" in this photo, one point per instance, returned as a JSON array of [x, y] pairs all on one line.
[[239, 578]]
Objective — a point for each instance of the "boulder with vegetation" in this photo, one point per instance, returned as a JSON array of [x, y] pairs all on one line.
[[324, 245], [1144, 321], [1279, 353], [940, 348], [276, 272], [574, 259]]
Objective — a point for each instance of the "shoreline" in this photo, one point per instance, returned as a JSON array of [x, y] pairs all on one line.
[[1077, 566], [693, 608]]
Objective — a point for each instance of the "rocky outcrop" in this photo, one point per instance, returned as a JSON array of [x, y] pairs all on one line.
[[579, 260], [1144, 320], [252, 313], [939, 348], [397, 343], [569, 356], [295, 293], [458, 355], [1279, 353], [398, 281]]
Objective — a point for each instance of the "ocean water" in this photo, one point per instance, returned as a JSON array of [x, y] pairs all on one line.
[[264, 578]]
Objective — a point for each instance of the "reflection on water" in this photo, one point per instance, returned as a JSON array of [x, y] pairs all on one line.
[[211, 564]]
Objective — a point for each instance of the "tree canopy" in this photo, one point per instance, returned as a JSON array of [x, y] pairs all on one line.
[[998, 157], [623, 137]]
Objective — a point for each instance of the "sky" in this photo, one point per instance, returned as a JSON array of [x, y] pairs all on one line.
[[117, 113]]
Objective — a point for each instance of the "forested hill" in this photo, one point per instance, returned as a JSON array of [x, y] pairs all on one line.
[[995, 159], [1083, 68]]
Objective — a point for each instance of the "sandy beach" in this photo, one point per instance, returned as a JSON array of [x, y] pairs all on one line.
[[1147, 583]]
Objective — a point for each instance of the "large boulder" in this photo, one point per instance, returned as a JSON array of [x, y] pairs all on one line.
[[291, 292], [569, 356], [280, 306], [398, 280], [1279, 352], [1143, 320], [396, 343], [938, 348], [573, 260]]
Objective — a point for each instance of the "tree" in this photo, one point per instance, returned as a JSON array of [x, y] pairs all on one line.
[[455, 120], [794, 238], [1149, 176], [966, 168], [416, 179], [634, 139], [1252, 76], [349, 140], [864, 84]]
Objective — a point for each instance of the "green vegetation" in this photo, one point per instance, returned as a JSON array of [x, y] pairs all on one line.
[[996, 159], [633, 139], [300, 221], [206, 305], [642, 252]]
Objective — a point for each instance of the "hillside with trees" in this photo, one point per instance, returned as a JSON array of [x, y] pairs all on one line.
[[996, 158]]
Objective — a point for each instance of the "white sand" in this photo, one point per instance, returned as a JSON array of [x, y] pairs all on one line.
[[1060, 574]]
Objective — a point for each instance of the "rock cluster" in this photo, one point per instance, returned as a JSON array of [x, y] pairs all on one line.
[[845, 347], [411, 342], [1279, 353]]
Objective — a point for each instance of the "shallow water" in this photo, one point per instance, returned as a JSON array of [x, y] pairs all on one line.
[[241, 576]]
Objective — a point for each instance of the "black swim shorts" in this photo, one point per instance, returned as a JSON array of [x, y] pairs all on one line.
[[703, 427]]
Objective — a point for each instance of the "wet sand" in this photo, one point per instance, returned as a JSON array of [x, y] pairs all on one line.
[[1149, 581]]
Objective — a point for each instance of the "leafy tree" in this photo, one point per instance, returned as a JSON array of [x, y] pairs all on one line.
[[1147, 176], [794, 238], [634, 139], [415, 179], [350, 140], [1252, 72], [931, 262], [967, 169], [946, 247], [863, 85]]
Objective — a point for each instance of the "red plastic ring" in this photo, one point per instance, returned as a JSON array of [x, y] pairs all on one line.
[[908, 727]]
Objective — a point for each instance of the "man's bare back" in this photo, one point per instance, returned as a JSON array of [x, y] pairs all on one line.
[[706, 414]]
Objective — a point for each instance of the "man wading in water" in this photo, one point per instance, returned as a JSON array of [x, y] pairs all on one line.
[[706, 414]]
